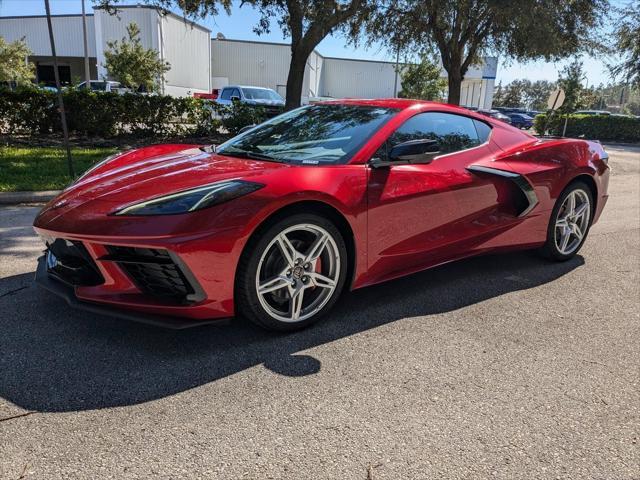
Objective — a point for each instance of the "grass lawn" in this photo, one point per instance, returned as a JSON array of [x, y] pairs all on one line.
[[44, 168]]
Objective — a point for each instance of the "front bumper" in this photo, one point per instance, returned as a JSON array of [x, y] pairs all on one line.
[[67, 292]]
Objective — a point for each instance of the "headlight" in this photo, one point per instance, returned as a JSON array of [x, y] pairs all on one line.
[[193, 199]]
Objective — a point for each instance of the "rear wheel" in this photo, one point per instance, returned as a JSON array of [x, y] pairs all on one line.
[[292, 274], [569, 223]]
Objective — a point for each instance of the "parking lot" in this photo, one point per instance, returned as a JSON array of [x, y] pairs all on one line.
[[496, 367]]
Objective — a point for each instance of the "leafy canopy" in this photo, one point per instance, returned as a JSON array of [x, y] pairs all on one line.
[[524, 93], [128, 62], [627, 41], [422, 80], [462, 31], [307, 22], [570, 81], [13, 62]]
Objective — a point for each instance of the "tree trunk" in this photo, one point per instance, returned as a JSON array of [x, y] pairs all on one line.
[[455, 85], [295, 79]]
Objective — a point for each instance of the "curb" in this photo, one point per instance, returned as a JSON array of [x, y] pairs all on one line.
[[12, 198]]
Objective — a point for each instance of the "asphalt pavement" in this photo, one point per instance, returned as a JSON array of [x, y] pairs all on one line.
[[503, 366]]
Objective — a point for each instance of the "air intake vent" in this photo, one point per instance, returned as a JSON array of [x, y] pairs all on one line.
[[154, 272]]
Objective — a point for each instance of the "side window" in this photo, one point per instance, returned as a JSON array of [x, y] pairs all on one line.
[[235, 93], [483, 130], [453, 132], [226, 94]]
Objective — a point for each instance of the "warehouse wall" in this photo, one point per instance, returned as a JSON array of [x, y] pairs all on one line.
[[187, 48], [357, 78], [251, 63], [75, 64], [315, 67], [67, 33], [114, 27]]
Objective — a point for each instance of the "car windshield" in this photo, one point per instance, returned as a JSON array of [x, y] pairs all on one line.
[[261, 94], [98, 86], [315, 134]]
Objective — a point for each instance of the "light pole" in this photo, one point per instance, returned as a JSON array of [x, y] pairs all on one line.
[[395, 78], [56, 74], [87, 73]]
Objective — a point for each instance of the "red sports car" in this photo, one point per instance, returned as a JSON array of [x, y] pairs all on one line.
[[276, 222]]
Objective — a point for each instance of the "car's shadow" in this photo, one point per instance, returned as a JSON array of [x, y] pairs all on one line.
[[54, 358]]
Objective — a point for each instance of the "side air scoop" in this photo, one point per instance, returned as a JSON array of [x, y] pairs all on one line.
[[519, 180]]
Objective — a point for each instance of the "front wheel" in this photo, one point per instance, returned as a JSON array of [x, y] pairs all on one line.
[[569, 223], [290, 276]]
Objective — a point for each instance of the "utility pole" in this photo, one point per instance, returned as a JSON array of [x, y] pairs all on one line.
[[56, 74], [395, 78], [87, 73]]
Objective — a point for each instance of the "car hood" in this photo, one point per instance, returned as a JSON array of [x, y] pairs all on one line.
[[276, 103], [135, 177]]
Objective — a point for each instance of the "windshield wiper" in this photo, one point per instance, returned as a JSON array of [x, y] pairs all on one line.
[[253, 155], [208, 148]]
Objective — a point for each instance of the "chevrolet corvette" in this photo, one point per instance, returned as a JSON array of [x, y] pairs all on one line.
[[275, 223]]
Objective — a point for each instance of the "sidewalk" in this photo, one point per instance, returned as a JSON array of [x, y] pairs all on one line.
[[12, 198]]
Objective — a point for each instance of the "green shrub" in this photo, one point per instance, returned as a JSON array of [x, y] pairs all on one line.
[[28, 110], [92, 114], [593, 127], [201, 117], [32, 112], [238, 115]]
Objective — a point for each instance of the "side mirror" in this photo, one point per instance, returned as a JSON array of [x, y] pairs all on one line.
[[415, 151]]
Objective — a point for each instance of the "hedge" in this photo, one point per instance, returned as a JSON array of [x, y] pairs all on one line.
[[32, 112], [593, 127]]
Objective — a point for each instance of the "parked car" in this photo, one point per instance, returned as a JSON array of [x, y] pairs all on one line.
[[507, 110], [533, 113], [274, 223], [592, 112], [104, 86], [207, 96], [520, 120], [495, 114], [269, 99]]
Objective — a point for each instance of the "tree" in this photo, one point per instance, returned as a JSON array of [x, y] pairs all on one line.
[[627, 41], [518, 93], [514, 93], [131, 64], [590, 98], [498, 95], [422, 80], [632, 108], [570, 81], [461, 31], [307, 22], [537, 94], [14, 67]]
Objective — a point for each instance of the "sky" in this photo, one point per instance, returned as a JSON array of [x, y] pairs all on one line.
[[239, 25]]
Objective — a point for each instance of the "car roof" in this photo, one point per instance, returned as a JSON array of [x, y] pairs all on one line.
[[248, 86], [398, 103]]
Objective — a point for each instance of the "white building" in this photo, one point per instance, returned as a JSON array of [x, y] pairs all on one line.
[[200, 63], [241, 62], [185, 45]]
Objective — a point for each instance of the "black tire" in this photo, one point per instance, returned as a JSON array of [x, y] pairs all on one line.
[[247, 300], [550, 249]]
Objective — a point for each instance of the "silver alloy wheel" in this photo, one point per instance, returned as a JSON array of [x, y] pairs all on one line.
[[572, 221], [293, 285]]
